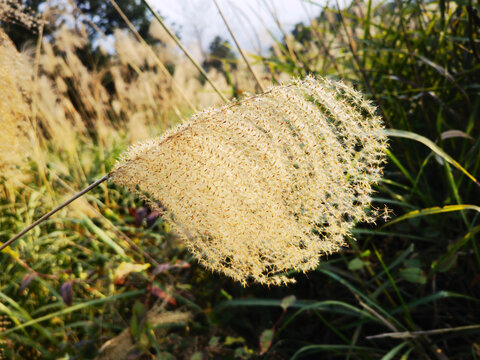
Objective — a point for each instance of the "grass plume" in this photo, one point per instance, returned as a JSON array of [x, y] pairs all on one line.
[[266, 185]]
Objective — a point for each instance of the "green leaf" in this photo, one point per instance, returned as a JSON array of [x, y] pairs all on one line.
[[331, 306], [126, 268], [413, 275], [258, 302], [447, 264], [356, 264], [266, 340], [432, 211], [312, 349], [366, 253], [102, 235], [230, 340], [391, 354], [214, 342], [288, 301], [137, 322], [430, 144], [432, 298], [197, 356]]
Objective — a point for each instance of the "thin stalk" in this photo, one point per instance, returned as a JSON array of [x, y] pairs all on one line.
[[36, 138], [185, 51], [50, 213], [156, 58], [412, 334], [257, 80], [275, 18], [366, 79]]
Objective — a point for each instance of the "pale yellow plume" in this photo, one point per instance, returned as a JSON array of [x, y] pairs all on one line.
[[268, 184]]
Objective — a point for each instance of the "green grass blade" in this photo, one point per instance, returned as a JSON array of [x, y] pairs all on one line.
[[406, 310], [431, 211], [259, 303], [392, 353], [105, 238], [371, 303], [400, 166], [330, 305], [435, 297], [432, 146], [71, 309], [24, 314], [456, 247], [312, 349]]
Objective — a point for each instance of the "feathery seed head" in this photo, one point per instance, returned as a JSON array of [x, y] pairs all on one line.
[[268, 184], [13, 11]]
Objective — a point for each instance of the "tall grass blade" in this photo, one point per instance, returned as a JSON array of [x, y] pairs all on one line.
[[314, 349], [392, 353], [413, 334], [432, 146], [70, 309], [432, 211]]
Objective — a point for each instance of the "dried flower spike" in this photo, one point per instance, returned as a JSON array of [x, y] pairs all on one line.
[[268, 184]]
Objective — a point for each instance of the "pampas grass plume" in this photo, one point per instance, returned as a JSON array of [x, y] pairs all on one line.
[[268, 184]]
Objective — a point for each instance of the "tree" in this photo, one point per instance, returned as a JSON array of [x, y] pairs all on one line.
[[220, 52], [106, 17], [100, 12]]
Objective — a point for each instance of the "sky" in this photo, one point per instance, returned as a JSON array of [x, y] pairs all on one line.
[[198, 21]]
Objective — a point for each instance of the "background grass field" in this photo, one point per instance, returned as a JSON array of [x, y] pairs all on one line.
[[108, 269]]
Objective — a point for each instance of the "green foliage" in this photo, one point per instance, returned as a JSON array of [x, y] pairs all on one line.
[[220, 52], [102, 13]]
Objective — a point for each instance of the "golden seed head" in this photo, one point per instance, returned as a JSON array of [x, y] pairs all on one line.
[[268, 184]]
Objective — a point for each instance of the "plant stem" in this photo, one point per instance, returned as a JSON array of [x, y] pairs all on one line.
[[257, 80], [50, 213], [156, 58], [185, 51]]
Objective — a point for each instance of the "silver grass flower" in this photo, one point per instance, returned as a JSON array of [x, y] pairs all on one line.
[[268, 184]]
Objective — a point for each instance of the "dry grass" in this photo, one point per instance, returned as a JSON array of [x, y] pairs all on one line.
[[118, 347], [15, 79], [3, 325], [266, 185]]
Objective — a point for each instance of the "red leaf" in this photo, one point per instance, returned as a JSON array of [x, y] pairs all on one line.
[[156, 291]]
